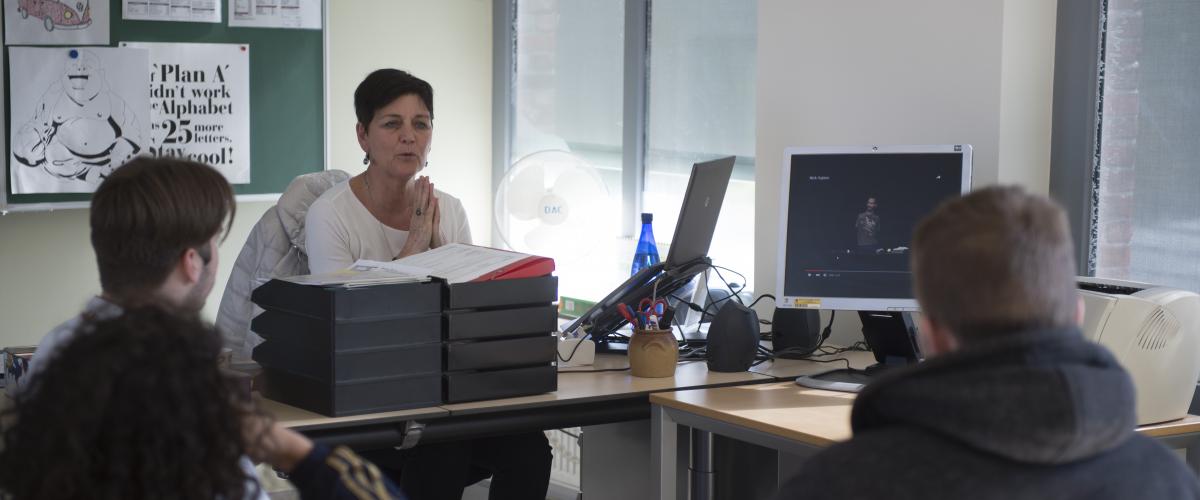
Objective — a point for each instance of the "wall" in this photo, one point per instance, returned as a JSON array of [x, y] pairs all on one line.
[[837, 72], [47, 269], [449, 44]]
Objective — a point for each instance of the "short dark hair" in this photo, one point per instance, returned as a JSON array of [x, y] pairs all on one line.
[[996, 260], [130, 407], [383, 86], [150, 211]]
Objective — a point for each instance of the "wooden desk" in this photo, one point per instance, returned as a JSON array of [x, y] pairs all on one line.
[[800, 421], [583, 398]]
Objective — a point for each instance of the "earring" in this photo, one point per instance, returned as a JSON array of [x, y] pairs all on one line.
[[366, 159]]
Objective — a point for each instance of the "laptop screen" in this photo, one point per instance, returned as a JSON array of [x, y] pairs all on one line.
[[699, 212]]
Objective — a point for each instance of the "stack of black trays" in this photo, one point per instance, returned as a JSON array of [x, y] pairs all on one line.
[[499, 339], [345, 351]]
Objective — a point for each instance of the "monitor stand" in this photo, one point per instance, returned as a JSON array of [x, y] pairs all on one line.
[[891, 336]]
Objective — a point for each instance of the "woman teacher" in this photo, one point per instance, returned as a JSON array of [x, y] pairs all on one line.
[[388, 212]]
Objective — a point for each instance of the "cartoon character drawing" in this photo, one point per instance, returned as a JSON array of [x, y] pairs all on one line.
[[67, 14], [80, 129]]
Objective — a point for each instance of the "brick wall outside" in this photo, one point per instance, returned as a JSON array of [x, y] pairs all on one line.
[[1118, 138]]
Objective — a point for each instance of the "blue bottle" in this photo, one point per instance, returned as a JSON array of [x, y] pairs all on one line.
[[646, 254]]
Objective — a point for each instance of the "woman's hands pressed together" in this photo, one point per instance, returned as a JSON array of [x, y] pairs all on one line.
[[424, 231]]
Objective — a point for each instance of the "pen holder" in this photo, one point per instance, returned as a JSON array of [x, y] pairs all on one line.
[[653, 353]]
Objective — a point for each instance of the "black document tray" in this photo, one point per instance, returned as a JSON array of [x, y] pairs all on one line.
[[336, 302], [353, 398], [350, 365], [292, 328], [493, 384], [502, 293], [486, 354], [466, 325]]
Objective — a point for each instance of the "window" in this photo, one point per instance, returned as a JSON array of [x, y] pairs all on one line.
[[1144, 224], [701, 107], [640, 90]]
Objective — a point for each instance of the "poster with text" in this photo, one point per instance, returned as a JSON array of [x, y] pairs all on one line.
[[300, 14], [54, 22], [196, 11], [76, 113], [200, 104]]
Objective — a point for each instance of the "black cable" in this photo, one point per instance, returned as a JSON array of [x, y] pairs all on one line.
[[740, 275], [760, 297], [595, 371], [733, 293], [576, 436]]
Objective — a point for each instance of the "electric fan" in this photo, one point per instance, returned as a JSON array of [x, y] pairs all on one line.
[[553, 203]]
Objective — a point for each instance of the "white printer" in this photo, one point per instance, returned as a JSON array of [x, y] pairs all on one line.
[[1155, 333]]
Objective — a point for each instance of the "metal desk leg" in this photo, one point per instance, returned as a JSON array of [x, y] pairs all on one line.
[[702, 474], [663, 433], [1193, 457]]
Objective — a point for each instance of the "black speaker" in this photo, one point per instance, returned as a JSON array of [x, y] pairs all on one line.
[[732, 338], [796, 331]]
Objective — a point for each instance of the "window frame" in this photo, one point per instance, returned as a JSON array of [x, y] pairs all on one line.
[[1077, 122]]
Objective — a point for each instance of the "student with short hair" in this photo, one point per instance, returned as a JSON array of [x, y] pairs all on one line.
[[1012, 401], [136, 407], [155, 227]]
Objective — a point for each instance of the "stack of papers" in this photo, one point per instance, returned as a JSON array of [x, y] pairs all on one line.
[[460, 263], [455, 263], [365, 273]]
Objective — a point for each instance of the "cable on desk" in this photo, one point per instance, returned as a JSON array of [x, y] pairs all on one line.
[[595, 371], [571, 356]]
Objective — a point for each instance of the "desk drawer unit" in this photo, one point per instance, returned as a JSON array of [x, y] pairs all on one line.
[[343, 351], [499, 339]]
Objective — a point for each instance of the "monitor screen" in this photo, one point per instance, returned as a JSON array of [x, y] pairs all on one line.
[[847, 217]]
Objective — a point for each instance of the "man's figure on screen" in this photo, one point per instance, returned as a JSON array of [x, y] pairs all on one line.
[[1012, 401], [867, 225]]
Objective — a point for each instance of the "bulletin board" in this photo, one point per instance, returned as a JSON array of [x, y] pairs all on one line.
[[287, 101]]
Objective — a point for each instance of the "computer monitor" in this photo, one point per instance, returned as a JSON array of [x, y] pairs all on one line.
[[687, 258], [846, 220]]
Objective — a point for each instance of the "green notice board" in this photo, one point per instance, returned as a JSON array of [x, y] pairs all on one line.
[[287, 99]]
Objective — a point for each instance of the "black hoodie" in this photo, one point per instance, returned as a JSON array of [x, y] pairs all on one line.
[[1038, 415]]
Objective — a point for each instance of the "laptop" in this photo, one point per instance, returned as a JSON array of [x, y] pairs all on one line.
[[687, 258]]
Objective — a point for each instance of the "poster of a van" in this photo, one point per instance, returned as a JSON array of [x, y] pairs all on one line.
[[55, 14]]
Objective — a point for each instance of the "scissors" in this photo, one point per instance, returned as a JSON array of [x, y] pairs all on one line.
[[653, 306]]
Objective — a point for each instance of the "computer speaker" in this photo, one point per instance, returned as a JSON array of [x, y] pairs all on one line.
[[732, 338], [795, 332]]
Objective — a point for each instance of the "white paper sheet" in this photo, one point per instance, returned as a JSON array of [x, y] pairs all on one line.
[[197, 11], [459, 263], [3, 139], [200, 104], [56, 22], [301, 14], [359, 275], [76, 113]]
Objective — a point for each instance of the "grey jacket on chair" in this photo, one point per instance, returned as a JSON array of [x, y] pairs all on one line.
[[274, 249]]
